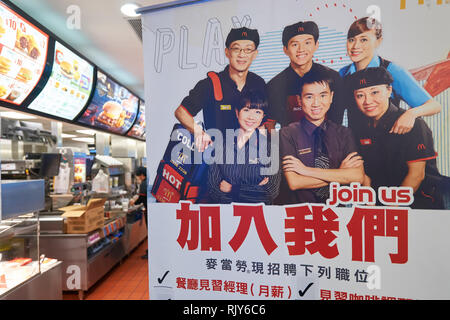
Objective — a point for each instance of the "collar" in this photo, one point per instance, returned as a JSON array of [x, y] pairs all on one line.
[[309, 127], [375, 62], [387, 119], [226, 77], [295, 74]]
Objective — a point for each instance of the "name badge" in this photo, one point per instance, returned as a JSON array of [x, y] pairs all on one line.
[[304, 151], [365, 142], [253, 161], [225, 107]]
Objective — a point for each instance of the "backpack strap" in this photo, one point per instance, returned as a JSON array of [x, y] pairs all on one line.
[[396, 99], [218, 95]]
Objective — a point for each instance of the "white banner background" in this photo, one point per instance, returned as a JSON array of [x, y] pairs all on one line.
[[424, 276]]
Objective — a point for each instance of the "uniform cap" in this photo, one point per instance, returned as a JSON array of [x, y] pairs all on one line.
[[302, 27], [369, 77], [242, 34]]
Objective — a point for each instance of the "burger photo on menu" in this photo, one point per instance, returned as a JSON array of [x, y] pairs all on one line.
[[24, 75], [111, 114], [66, 69]]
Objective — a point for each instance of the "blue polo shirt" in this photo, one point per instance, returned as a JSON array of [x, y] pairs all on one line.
[[404, 85]]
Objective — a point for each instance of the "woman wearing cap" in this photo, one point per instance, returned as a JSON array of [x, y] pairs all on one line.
[[363, 38], [244, 180]]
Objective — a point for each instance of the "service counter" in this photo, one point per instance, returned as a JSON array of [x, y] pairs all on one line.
[[43, 286], [86, 258]]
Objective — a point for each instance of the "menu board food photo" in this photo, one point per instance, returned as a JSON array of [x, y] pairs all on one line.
[[138, 129], [113, 108], [23, 54], [69, 86]]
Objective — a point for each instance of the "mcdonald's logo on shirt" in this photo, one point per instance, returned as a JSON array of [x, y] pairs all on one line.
[[421, 146]]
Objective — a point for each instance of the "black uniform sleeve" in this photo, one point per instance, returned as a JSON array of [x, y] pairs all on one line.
[[349, 142], [276, 97], [198, 97], [287, 145], [142, 193], [418, 143]]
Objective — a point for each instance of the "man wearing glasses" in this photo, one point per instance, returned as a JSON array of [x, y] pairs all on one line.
[[218, 93]]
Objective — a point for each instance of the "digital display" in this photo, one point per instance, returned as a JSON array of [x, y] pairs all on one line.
[[113, 107], [69, 86], [138, 129], [23, 53], [79, 167]]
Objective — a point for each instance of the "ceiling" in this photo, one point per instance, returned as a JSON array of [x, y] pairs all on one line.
[[105, 36]]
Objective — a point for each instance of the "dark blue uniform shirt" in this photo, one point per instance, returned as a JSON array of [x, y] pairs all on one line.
[[297, 140], [386, 156], [220, 114], [284, 94]]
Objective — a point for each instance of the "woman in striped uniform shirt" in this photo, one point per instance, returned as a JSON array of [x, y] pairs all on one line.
[[243, 178]]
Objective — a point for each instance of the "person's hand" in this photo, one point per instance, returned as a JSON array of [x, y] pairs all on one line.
[[225, 187], [353, 160], [263, 181], [294, 164], [202, 140], [367, 181], [405, 123], [131, 203]]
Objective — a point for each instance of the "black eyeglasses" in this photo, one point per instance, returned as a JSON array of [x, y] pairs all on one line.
[[237, 50]]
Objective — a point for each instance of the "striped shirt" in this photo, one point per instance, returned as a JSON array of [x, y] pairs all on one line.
[[244, 175]]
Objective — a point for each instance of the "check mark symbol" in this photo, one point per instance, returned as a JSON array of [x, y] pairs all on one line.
[[302, 293], [160, 280]]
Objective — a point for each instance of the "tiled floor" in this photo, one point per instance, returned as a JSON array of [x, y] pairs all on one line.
[[126, 281]]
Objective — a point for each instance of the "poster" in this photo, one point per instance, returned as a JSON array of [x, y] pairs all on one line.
[[23, 53], [113, 107], [69, 86], [235, 249], [138, 129]]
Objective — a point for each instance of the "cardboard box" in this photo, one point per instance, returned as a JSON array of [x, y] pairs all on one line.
[[84, 219]]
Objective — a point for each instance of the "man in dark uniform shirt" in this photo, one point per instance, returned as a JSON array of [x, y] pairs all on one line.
[[316, 151], [407, 160], [218, 94], [300, 42], [141, 197]]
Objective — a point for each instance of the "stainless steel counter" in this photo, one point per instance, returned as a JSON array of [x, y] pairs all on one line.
[[44, 286], [81, 271]]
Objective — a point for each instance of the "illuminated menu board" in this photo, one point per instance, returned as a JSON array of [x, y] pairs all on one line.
[[138, 129], [23, 53], [113, 107], [69, 86]]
